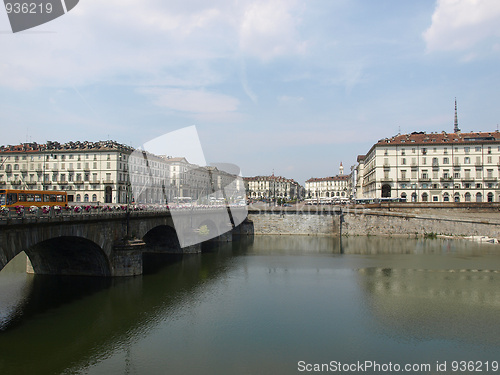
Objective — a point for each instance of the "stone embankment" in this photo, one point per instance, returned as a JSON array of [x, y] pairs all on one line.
[[378, 221]]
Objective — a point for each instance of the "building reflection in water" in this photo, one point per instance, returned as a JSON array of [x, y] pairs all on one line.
[[434, 303]]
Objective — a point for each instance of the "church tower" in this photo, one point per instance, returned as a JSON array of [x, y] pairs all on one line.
[[341, 169], [456, 129]]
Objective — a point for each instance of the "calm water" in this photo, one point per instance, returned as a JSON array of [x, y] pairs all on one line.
[[259, 307]]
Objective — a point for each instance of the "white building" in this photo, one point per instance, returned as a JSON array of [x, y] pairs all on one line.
[[272, 187], [329, 189]]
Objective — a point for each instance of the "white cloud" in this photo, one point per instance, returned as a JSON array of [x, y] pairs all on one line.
[[269, 29], [287, 100], [461, 24], [140, 41], [199, 104]]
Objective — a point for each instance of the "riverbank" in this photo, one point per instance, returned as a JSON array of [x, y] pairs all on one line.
[[378, 222]]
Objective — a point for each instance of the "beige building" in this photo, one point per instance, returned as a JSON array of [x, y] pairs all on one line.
[[109, 172], [88, 171], [432, 167]]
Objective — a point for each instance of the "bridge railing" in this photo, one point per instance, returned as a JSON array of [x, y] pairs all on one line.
[[22, 214]]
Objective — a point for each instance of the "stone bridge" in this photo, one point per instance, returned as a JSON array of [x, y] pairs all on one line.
[[104, 243]]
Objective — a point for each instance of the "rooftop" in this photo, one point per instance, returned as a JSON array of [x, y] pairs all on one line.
[[69, 146], [422, 138]]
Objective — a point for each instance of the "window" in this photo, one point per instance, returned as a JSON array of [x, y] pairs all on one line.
[[489, 150], [403, 161], [94, 197], [489, 160], [424, 160], [402, 151], [467, 150], [445, 150], [446, 161], [478, 149], [466, 160]]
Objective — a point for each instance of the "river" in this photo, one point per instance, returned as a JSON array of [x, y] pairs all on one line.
[[267, 305]]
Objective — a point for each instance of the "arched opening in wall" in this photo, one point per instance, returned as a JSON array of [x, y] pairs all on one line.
[[490, 197], [467, 197], [413, 197], [446, 197], [162, 239], [403, 197], [386, 191], [425, 197], [457, 197], [69, 256], [108, 194], [479, 197]]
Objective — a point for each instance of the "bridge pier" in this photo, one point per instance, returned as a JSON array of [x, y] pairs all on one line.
[[126, 258]]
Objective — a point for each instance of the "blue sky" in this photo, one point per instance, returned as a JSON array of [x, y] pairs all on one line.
[[286, 85]]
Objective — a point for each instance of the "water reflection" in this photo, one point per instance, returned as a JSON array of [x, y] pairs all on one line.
[[434, 303], [259, 306], [86, 318]]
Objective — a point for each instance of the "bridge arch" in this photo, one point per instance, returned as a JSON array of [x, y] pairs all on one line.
[[162, 238], [68, 255]]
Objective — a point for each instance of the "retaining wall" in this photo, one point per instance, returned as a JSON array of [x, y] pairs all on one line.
[[364, 222]]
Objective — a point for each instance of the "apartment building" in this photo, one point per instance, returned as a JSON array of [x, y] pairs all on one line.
[[329, 189], [272, 187], [432, 167]]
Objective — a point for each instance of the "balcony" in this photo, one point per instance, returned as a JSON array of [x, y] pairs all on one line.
[[490, 179], [62, 182], [78, 182], [3, 182], [107, 181], [424, 178], [47, 182], [386, 179], [404, 179], [31, 183], [16, 182], [467, 178], [446, 178]]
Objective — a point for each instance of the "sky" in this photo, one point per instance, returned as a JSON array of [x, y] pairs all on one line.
[[292, 87]]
